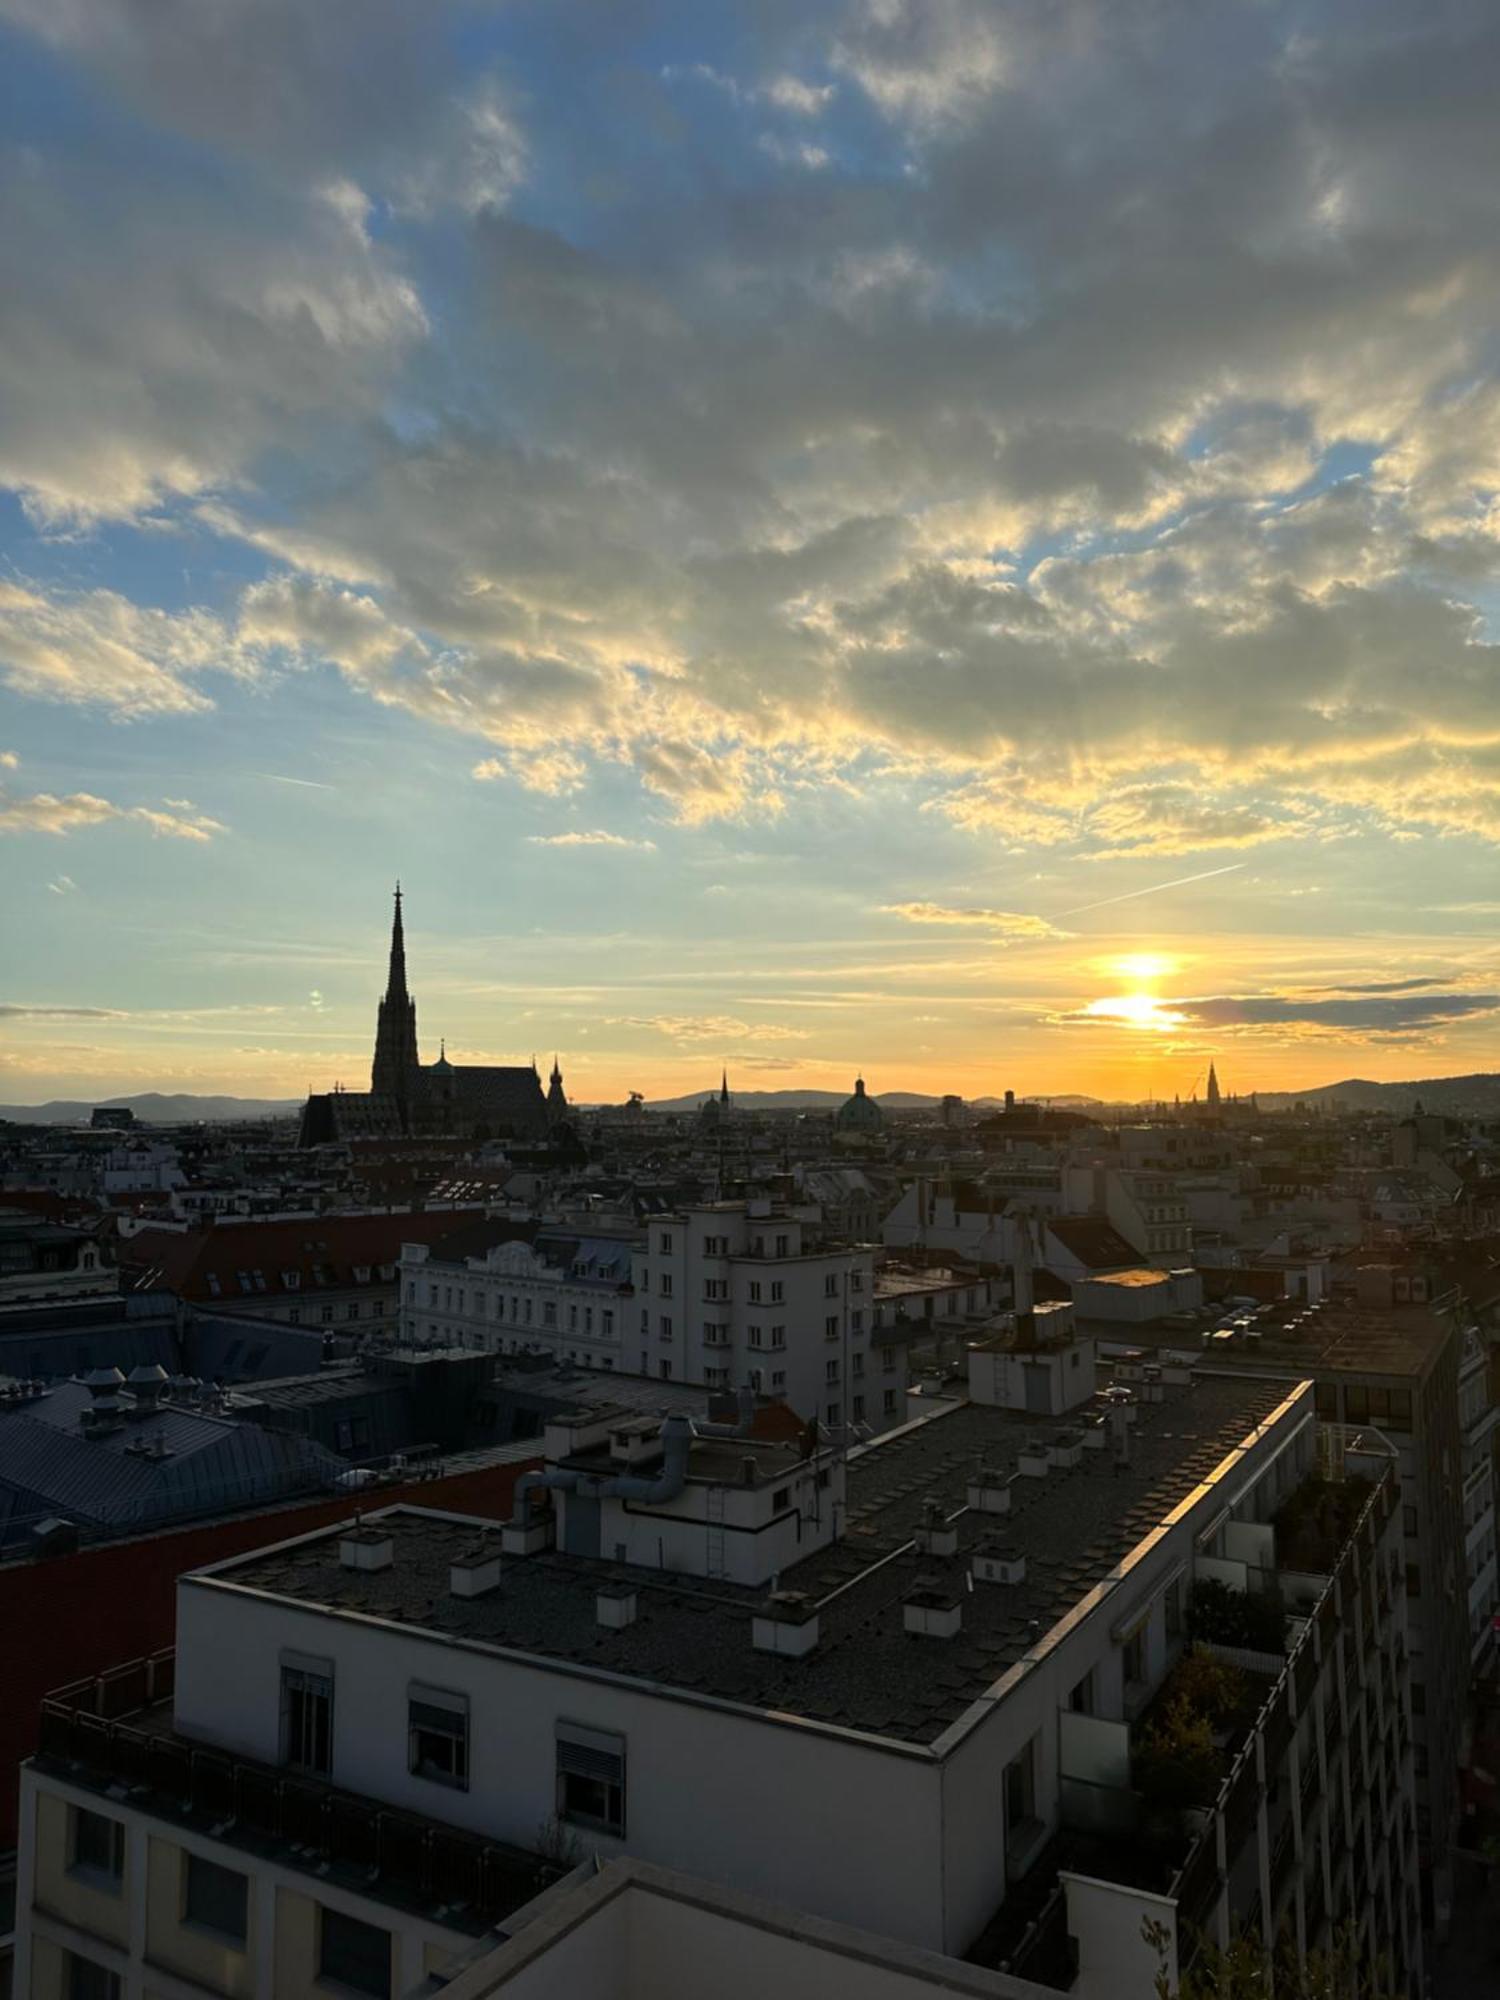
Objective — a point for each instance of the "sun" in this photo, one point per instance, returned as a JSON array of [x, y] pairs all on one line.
[[1145, 965], [1136, 1010]]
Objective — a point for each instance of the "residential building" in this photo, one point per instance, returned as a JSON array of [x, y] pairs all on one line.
[[730, 1293], [905, 1690], [335, 1271], [523, 1287], [47, 1262]]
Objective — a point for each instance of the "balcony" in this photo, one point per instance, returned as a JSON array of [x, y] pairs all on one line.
[[116, 1733]]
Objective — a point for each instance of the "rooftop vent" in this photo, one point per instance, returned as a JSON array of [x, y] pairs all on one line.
[[988, 1491], [933, 1609], [147, 1384], [786, 1623], [615, 1605], [935, 1536], [367, 1548], [526, 1534], [475, 1572], [1034, 1461], [995, 1561], [1065, 1450]]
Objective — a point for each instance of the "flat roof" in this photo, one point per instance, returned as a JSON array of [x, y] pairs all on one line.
[[692, 1635], [1330, 1337]]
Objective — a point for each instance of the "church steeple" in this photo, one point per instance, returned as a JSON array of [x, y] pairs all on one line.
[[724, 1089], [1213, 1087], [557, 1102], [395, 1068]]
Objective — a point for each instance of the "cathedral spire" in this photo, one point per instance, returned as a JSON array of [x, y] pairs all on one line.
[[395, 985], [394, 1072], [1213, 1086]]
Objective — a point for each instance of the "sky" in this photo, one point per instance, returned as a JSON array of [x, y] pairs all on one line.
[[953, 541]]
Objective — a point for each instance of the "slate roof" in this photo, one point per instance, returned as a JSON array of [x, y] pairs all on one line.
[[48, 1466], [1093, 1241], [866, 1672]]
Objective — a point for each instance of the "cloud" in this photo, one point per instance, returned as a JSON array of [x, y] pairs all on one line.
[[44, 812], [595, 839], [1008, 925], [62, 885], [1361, 1013], [11, 1012], [688, 1030], [1100, 449], [9, 761]]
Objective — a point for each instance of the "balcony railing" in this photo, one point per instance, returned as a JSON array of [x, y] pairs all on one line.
[[408, 1857]]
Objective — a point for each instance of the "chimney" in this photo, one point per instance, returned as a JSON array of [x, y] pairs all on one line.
[[995, 1561], [475, 1572], [936, 1536], [933, 1609], [786, 1622], [367, 1548], [104, 1410], [988, 1491], [615, 1605]]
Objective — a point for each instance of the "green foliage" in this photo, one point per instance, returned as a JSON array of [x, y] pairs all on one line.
[[1176, 1764], [1247, 1971], [1253, 1619], [1211, 1687], [1314, 1522]]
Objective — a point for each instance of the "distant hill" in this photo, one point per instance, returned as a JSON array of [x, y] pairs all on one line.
[[830, 1100], [152, 1108], [1454, 1095]]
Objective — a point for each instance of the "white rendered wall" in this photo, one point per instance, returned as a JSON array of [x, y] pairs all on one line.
[[791, 1813]]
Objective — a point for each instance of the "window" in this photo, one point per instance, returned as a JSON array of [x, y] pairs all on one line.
[[438, 1737], [307, 1718], [831, 1373], [1413, 1580], [1020, 1789], [1173, 1608], [607, 1324], [87, 1981], [665, 1371], [778, 1378], [831, 1285], [666, 1326], [778, 1336], [831, 1327], [666, 1244], [778, 1291], [831, 1413], [354, 1954], [857, 1409], [352, 1311], [781, 1498], [216, 1898], [666, 1284], [859, 1364], [755, 1291], [327, 1315], [1081, 1700], [756, 1338], [591, 1779], [1409, 1523], [96, 1846], [782, 1245], [1134, 1656], [857, 1321], [887, 1358], [888, 1402]]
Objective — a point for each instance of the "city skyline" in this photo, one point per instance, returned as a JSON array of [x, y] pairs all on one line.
[[948, 542]]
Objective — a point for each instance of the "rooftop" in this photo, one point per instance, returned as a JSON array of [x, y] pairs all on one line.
[[1075, 1526]]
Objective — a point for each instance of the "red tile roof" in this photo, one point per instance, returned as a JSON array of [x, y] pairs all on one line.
[[319, 1253]]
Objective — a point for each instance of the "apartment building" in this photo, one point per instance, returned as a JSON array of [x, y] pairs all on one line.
[[732, 1293], [905, 1691], [514, 1287], [1145, 1206]]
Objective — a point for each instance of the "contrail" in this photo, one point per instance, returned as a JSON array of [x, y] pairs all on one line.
[[1155, 890], [312, 784]]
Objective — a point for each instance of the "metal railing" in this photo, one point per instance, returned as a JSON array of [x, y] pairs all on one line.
[[82, 1726]]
